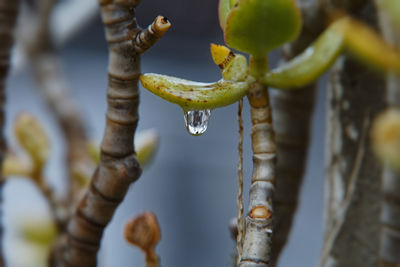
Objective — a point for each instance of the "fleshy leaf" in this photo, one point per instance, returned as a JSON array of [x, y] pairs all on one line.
[[392, 7], [385, 137], [15, 166], [39, 230], [223, 11], [236, 70], [345, 33], [221, 55], [33, 138], [311, 64], [146, 145], [233, 66], [259, 26], [367, 45], [192, 95]]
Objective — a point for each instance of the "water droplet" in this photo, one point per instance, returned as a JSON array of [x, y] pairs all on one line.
[[197, 121]]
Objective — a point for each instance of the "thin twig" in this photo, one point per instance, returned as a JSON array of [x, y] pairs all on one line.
[[351, 187], [240, 217]]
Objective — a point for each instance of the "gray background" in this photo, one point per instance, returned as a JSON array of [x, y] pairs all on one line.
[[191, 185]]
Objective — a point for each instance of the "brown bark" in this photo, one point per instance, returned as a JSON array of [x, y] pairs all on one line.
[[258, 233], [118, 166], [354, 96], [8, 16], [292, 120], [389, 251]]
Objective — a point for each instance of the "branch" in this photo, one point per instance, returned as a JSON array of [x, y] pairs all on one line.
[[258, 236], [51, 83], [148, 37], [63, 28], [386, 144], [33, 139], [353, 177], [388, 127], [8, 15], [118, 166], [349, 198], [293, 112]]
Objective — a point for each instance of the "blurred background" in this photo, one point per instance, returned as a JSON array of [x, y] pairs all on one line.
[[191, 185]]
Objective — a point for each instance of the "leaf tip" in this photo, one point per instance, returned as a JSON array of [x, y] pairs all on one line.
[[221, 55]]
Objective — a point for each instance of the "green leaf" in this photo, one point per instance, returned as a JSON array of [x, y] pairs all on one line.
[[33, 138], [223, 11], [312, 63], [392, 7], [146, 145], [39, 230], [192, 95], [346, 33], [259, 26], [368, 46], [385, 136]]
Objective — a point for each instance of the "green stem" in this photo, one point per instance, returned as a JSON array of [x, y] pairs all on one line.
[[258, 66]]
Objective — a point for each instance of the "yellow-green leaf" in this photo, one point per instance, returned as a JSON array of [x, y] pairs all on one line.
[[312, 63], [223, 11], [40, 230], [386, 138], [192, 95], [233, 66], [33, 138], [392, 7], [346, 33], [146, 144], [368, 46], [15, 166], [259, 26]]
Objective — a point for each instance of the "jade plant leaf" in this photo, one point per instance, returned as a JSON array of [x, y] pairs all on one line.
[[223, 11], [33, 138], [308, 66], [392, 7], [192, 95], [367, 45], [259, 26], [233, 66], [344, 34]]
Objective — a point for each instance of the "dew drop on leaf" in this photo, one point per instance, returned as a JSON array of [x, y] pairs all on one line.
[[196, 121]]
